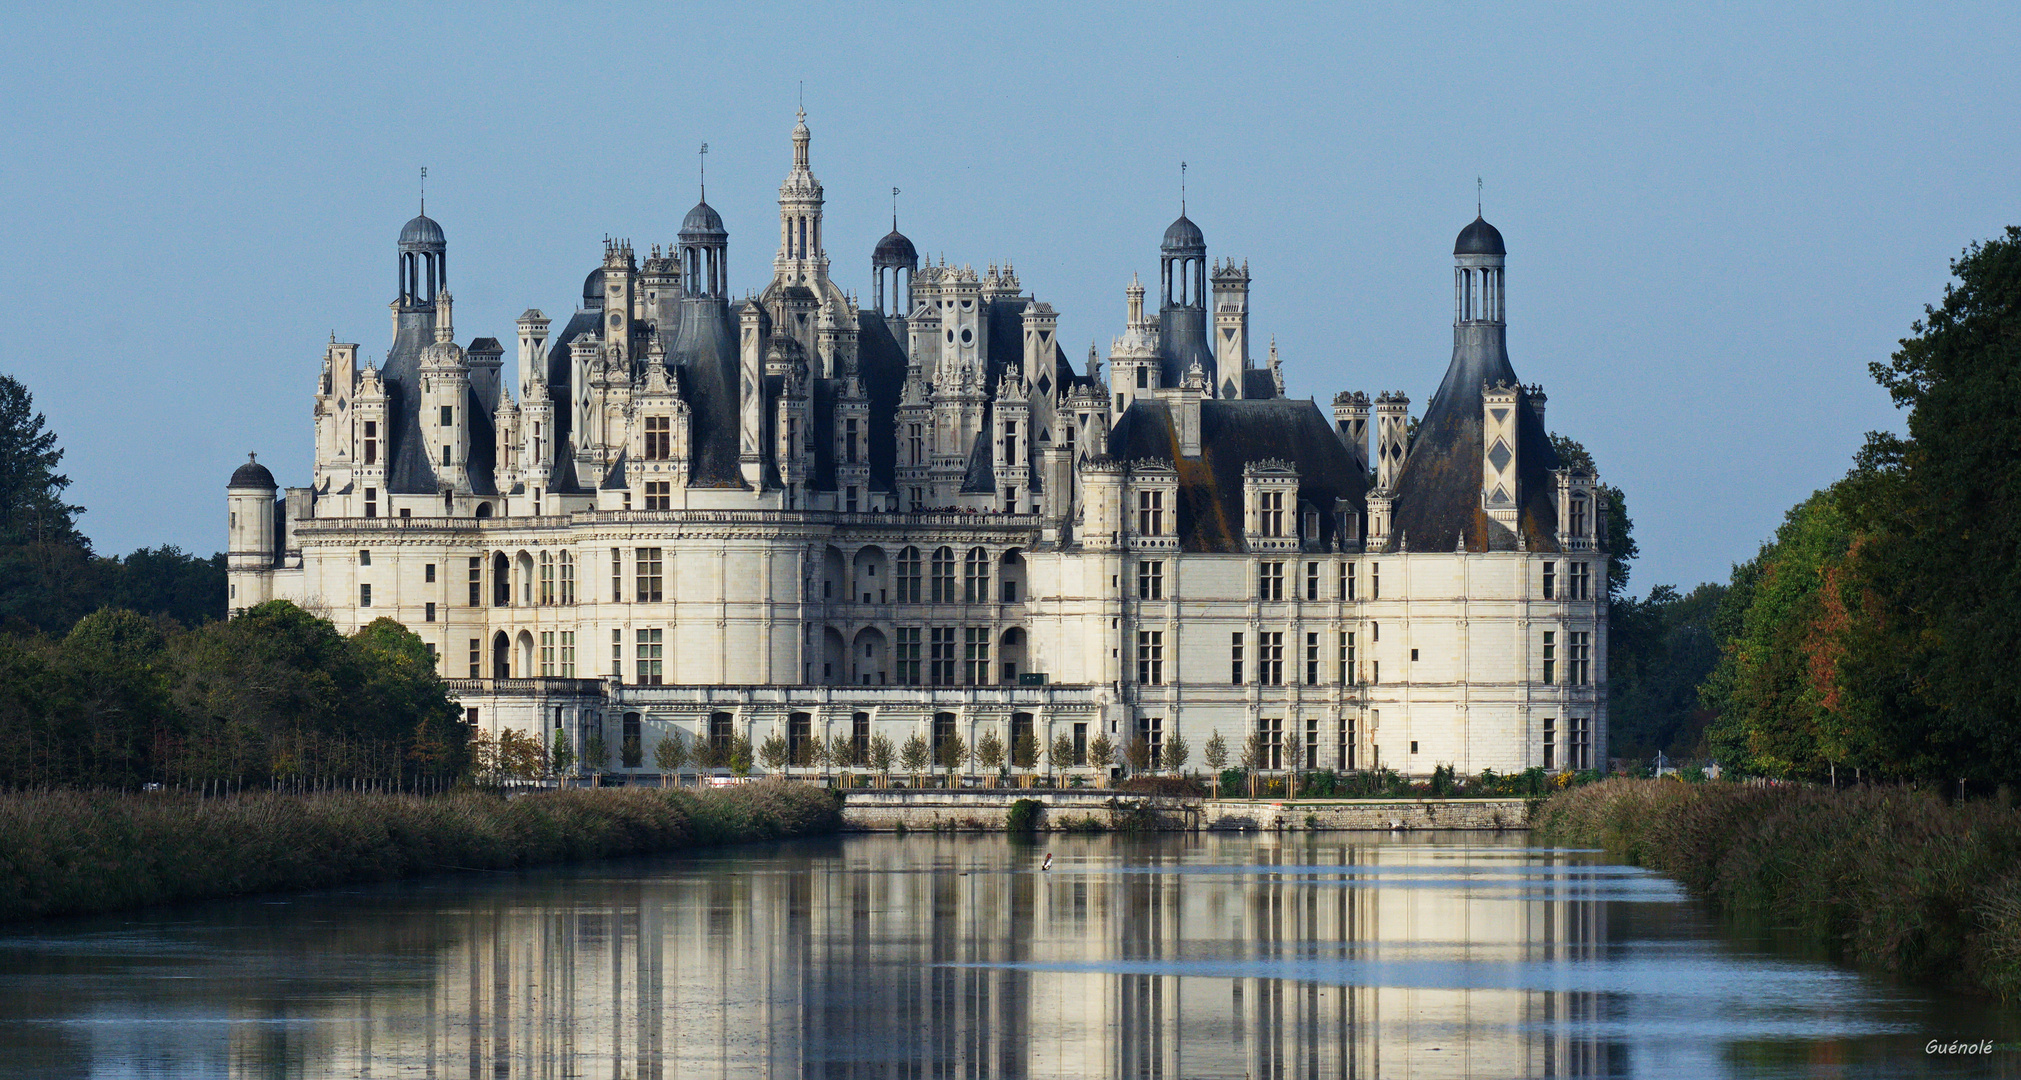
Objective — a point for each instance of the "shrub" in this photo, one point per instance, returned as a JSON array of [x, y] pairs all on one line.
[[1023, 817], [1169, 786]]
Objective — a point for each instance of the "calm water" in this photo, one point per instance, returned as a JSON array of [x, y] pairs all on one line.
[[1453, 955]]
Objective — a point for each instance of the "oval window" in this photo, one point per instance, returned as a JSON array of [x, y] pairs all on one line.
[[967, 336]]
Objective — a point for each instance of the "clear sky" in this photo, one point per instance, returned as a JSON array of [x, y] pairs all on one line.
[[1716, 218]]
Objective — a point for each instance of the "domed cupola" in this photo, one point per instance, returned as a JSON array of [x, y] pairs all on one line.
[[1182, 237], [894, 256], [705, 248], [424, 263], [592, 290], [252, 475], [1479, 238], [894, 250]]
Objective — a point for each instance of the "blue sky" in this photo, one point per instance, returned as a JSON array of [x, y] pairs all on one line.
[[1716, 218]]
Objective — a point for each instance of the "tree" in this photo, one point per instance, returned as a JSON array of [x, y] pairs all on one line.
[[1025, 752], [880, 757], [1294, 760], [1137, 754], [1217, 759], [951, 754], [1255, 755], [562, 755], [1619, 528], [914, 756], [740, 756], [1175, 753], [1062, 756], [1102, 754], [989, 754], [670, 755], [596, 754], [772, 752], [47, 577]]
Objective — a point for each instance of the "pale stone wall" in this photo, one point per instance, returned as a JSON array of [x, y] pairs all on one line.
[[987, 810]]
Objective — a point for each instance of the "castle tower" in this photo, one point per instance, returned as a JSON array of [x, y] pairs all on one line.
[[1182, 317], [1231, 327], [1392, 440], [705, 254], [1134, 356], [250, 501], [801, 260]]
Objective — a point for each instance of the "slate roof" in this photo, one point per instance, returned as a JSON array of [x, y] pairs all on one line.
[[706, 351], [1438, 490], [1233, 434], [880, 363]]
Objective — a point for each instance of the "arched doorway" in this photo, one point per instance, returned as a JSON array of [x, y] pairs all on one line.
[[501, 656], [870, 583], [501, 581]]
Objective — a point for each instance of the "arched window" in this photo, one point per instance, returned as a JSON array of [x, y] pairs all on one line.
[[908, 576], [501, 581], [546, 578], [943, 575], [567, 578], [975, 577]]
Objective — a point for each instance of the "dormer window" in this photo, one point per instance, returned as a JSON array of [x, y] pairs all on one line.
[[371, 442], [659, 438], [1578, 515], [1150, 513], [1270, 513]]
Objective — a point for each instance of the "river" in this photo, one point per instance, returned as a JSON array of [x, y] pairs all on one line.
[[1171, 955]]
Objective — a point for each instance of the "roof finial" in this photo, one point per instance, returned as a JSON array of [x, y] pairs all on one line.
[[1182, 189], [894, 209], [1477, 196], [705, 172], [252, 458], [803, 99], [424, 191]]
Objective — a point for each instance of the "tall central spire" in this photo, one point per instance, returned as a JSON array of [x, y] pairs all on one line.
[[801, 260]]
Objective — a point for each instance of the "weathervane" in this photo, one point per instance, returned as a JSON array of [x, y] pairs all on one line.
[[894, 209], [705, 172], [1182, 189], [424, 191], [1477, 196]]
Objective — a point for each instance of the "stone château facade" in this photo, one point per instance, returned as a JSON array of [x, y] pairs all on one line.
[[798, 514]]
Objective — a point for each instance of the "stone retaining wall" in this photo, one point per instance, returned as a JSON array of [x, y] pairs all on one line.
[[987, 810]]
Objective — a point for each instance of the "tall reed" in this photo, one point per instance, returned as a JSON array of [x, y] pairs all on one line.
[[1895, 878], [64, 852]]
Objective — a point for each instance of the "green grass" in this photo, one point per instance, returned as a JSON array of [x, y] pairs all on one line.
[[1894, 878], [68, 853]]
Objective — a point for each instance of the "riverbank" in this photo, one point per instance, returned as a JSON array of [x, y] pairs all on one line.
[[1896, 879], [71, 853], [989, 810]]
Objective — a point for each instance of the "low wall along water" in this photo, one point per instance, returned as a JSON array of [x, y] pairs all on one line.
[[1060, 811]]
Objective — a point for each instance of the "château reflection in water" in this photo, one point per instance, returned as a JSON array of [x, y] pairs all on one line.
[[1289, 955]]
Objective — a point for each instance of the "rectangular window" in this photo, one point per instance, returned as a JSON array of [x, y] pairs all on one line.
[[1270, 658], [567, 578], [1347, 581], [1270, 512], [908, 576], [1550, 656], [371, 442], [646, 571], [568, 654], [975, 658], [1151, 657], [445, 454], [1579, 747], [941, 641], [364, 557], [1550, 581], [659, 438], [1272, 730], [849, 451], [430, 615], [1080, 743], [1312, 742], [1270, 581], [476, 581], [943, 576], [470, 716], [850, 502], [1311, 660], [547, 654], [1581, 656], [1151, 580], [1346, 658], [618, 655], [448, 415], [1550, 738], [364, 596], [476, 658], [1150, 513], [1581, 580], [1375, 671], [1375, 581], [1347, 741], [1235, 658], [646, 658], [617, 574], [908, 655], [546, 579], [659, 495], [1312, 581], [975, 577], [1151, 729], [371, 502], [428, 572]]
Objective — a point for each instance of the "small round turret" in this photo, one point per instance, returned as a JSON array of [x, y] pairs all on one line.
[[423, 233], [1479, 238], [1182, 237]]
